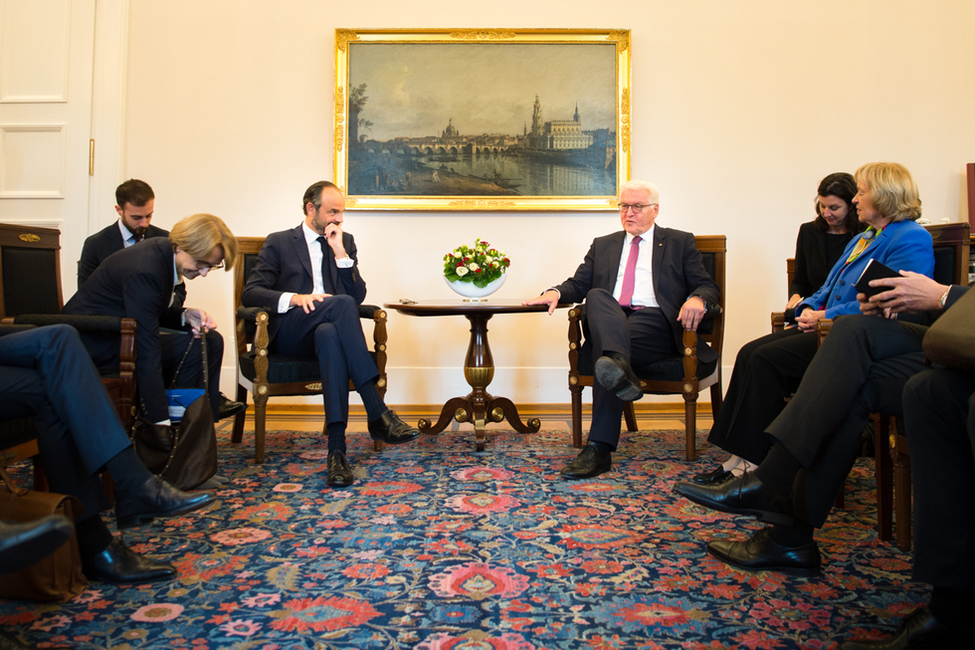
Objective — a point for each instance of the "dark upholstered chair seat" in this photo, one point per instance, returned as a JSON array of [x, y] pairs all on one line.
[[282, 369]]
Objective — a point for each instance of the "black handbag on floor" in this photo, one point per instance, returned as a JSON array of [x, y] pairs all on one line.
[[185, 452]]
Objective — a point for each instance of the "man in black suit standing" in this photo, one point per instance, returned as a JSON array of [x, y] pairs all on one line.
[[638, 284], [310, 276], [139, 282]]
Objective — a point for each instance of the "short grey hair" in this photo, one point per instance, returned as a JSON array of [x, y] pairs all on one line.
[[651, 189]]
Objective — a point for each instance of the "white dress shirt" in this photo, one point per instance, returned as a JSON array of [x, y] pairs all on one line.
[[643, 295], [315, 253]]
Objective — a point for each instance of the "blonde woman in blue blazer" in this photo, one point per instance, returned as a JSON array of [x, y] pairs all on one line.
[[769, 368]]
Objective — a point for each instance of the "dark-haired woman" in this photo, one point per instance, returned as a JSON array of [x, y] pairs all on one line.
[[821, 242]]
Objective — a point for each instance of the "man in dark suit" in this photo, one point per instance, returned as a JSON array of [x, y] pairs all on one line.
[[641, 287], [135, 204], [139, 282], [45, 373], [862, 367], [310, 276]]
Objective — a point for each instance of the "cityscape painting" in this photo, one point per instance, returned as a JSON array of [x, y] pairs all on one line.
[[482, 120]]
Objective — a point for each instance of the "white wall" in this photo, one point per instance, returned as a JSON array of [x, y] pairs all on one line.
[[739, 109]]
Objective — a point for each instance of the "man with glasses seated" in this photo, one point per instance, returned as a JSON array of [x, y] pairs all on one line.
[[642, 286], [140, 282]]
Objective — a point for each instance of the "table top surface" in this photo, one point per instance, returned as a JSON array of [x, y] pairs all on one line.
[[458, 306]]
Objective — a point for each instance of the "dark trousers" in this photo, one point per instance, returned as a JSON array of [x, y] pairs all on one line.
[[643, 336], [333, 334], [47, 373], [767, 370], [861, 369], [939, 415]]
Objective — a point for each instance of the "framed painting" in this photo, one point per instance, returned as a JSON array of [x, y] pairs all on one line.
[[492, 119]]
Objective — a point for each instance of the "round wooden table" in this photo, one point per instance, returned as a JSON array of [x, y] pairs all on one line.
[[479, 407]]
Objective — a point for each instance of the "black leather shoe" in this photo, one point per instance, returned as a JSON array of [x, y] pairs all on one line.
[[589, 463], [616, 376], [21, 545], [119, 563], [157, 498], [339, 472], [391, 429], [742, 495], [920, 629], [714, 477], [228, 408], [760, 553]]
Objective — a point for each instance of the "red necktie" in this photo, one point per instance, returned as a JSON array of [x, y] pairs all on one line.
[[629, 274]]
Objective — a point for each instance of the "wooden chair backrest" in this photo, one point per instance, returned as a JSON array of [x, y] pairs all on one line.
[[30, 270], [248, 249]]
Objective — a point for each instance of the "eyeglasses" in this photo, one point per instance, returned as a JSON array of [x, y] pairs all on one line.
[[202, 265], [636, 207]]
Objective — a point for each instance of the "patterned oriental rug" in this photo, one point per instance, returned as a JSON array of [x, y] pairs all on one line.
[[439, 547]]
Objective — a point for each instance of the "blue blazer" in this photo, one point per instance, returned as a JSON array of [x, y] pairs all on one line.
[[902, 245]]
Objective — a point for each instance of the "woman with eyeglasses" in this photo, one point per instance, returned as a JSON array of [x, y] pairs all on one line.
[[769, 369]]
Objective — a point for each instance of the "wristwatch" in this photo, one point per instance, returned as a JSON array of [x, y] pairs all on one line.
[[944, 296]]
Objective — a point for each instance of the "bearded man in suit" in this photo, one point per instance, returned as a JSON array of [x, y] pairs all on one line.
[[135, 204], [642, 286], [309, 276]]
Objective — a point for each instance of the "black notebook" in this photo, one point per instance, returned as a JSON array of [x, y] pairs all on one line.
[[874, 271]]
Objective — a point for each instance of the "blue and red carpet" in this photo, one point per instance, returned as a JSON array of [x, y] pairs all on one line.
[[438, 547]]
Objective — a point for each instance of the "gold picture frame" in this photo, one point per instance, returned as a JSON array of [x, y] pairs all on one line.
[[461, 119]]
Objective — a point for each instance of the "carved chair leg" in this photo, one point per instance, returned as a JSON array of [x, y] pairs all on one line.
[[629, 413], [690, 425], [902, 500], [883, 428], [576, 392], [260, 415]]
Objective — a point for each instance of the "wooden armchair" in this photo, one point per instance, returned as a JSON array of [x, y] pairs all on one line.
[[680, 375], [265, 374]]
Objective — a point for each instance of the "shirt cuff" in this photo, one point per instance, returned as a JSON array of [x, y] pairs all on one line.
[[345, 263], [284, 302]]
